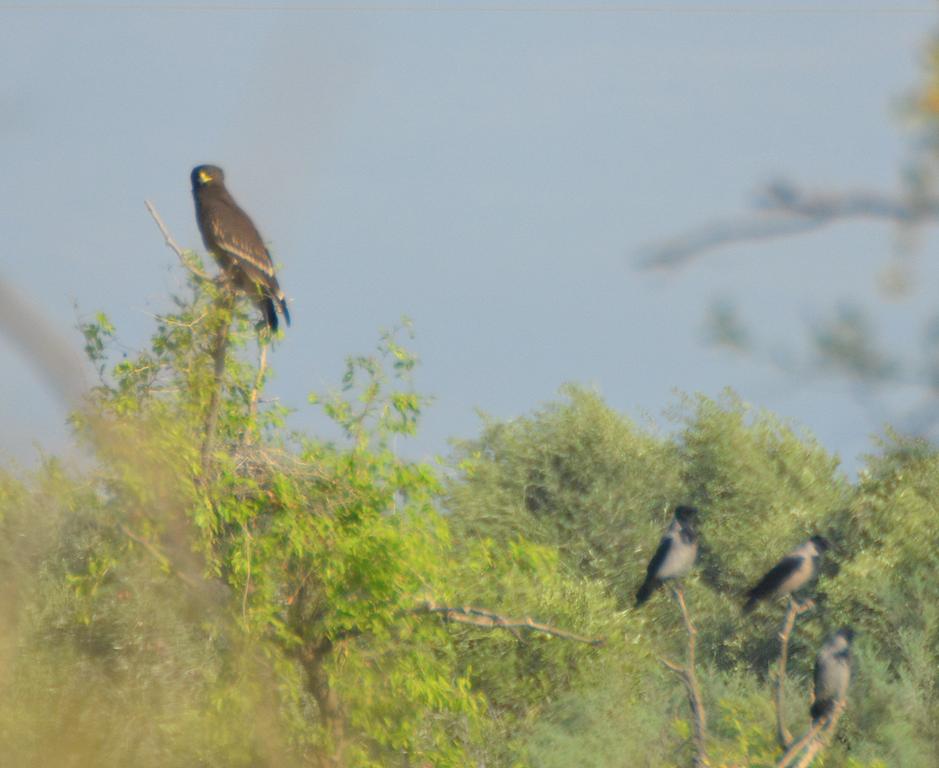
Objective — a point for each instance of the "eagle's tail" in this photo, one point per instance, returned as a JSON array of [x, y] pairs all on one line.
[[270, 314]]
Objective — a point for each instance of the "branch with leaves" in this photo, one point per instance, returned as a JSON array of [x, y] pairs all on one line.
[[688, 676], [225, 302]]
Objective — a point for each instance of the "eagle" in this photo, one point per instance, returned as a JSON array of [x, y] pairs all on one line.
[[231, 236]]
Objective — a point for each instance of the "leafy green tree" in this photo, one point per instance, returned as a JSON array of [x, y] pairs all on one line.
[[249, 596], [762, 487], [575, 476], [212, 589]]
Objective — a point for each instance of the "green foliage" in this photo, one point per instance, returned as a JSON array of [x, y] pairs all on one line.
[[262, 612], [762, 489], [887, 589], [583, 481], [265, 606], [575, 476]]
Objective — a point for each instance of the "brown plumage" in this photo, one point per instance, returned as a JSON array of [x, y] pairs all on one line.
[[230, 234]]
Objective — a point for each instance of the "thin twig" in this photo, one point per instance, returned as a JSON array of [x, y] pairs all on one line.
[[482, 617], [300, 586], [786, 210], [258, 380], [244, 595], [155, 553], [677, 251], [170, 320], [794, 610], [251, 427], [187, 263], [689, 677]]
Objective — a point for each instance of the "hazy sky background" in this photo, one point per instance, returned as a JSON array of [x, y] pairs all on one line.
[[489, 171]]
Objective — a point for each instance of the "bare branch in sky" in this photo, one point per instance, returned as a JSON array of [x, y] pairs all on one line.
[[784, 210]]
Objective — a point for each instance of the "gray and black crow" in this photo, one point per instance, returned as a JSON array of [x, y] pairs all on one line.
[[675, 556], [791, 573], [832, 673]]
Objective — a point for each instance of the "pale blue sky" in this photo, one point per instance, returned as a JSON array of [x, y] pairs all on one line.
[[491, 173]]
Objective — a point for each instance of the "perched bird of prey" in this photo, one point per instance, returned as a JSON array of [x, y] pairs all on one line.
[[675, 556], [230, 234], [791, 573], [832, 673]]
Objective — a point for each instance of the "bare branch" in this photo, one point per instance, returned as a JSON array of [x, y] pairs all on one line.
[[796, 748], [251, 430], [677, 251], [247, 589], [821, 741], [814, 740], [689, 677], [183, 258], [795, 610], [482, 617], [155, 553], [672, 665], [784, 211], [258, 380]]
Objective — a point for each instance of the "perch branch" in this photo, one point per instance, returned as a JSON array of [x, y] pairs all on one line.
[[248, 435], [187, 263], [795, 610], [796, 747], [786, 210], [259, 379], [482, 617], [814, 740], [686, 672], [822, 739], [225, 304]]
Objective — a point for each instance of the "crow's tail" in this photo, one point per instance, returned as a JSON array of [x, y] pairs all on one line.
[[645, 591], [820, 709]]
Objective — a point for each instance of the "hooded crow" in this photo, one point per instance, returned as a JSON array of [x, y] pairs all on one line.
[[832, 673], [791, 573], [675, 556]]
